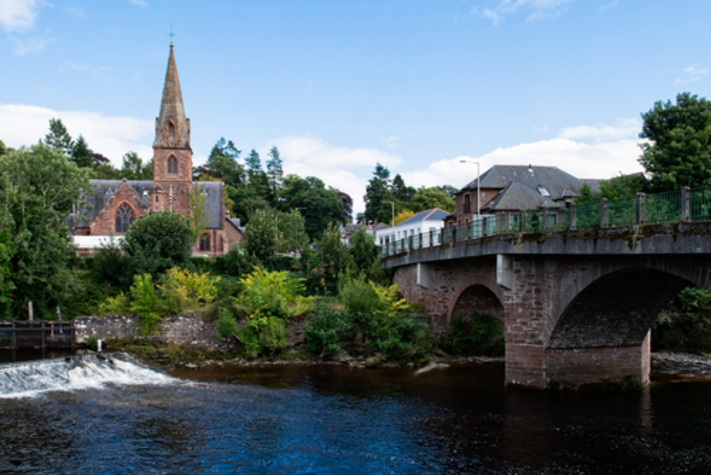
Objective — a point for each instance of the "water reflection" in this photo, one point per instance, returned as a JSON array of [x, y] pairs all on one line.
[[330, 419]]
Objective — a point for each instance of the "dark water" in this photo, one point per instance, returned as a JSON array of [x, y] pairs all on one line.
[[331, 419]]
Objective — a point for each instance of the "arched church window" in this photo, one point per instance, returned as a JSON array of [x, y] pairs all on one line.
[[124, 218], [205, 242], [172, 164], [171, 131]]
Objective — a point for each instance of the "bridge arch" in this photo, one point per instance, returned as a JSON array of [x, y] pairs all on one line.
[[614, 304], [476, 293]]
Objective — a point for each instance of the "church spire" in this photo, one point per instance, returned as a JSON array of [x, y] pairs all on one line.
[[172, 127]]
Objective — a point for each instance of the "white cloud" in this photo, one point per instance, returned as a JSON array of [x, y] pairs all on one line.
[[19, 15], [75, 10], [536, 9], [102, 73], [111, 136], [30, 45], [339, 167], [140, 3], [607, 151], [600, 132], [391, 141], [692, 74], [610, 6]]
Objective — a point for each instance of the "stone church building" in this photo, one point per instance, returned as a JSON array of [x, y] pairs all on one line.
[[115, 204]]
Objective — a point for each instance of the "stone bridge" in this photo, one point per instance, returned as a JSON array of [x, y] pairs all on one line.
[[577, 306]]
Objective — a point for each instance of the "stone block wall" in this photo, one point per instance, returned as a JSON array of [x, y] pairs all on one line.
[[189, 331]]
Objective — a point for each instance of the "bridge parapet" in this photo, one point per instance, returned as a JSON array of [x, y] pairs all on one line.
[[607, 224]]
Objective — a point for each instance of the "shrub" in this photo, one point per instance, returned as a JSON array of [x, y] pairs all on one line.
[[92, 343], [685, 322], [157, 242], [267, 293], [403, 335], [185, 290], [110, 266], [483, 336], [226, 323], [264, 334], [147, 304], [118, 305], [324, 331]]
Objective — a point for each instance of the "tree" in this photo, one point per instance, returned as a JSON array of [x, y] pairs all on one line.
[[199, 218], [223, 162], [253, 162], [365, 257], [134, 169], [319, 206], [376, 193], [291, 235], [621, 186], [274, 170], [38, 187], [428, 198], [81, 155], [449, 190], [333, 259], [260, 238], [679, 149], [158, 241], [400, 191], [58, 137]]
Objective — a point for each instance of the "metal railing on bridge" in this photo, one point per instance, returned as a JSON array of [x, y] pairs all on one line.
[[687, 204]]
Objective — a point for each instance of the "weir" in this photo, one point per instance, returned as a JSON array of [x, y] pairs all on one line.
[[30, 378]]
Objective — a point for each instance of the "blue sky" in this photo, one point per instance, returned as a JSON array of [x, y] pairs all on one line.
[[341, 85]]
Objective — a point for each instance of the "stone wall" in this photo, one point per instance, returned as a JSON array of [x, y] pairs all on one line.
[[188, 331]]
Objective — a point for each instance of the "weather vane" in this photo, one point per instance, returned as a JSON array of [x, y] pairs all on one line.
[[171, 34]]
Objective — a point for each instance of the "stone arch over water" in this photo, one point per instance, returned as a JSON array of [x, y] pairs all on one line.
[[616, 308], [476, 294]]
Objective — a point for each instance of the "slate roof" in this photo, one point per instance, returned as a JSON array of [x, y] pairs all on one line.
[[516, 197], [235, 222], [435, 214], [555, 181], [104, 189]]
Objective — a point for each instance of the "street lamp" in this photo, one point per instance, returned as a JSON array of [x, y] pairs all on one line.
[[393, 221], [478, 189]]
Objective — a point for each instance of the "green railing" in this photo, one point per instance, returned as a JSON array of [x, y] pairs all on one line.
[[669, 207]]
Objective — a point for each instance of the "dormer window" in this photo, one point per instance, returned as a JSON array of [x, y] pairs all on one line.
[[542, 191], [171, 131], [172, 164]]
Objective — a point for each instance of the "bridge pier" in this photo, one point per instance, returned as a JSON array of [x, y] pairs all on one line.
[[577, 306]]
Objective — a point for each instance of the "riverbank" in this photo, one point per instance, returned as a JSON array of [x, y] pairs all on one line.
[[170, 356]]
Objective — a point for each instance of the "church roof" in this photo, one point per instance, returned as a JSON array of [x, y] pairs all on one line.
[[102, 190], [172, 110]]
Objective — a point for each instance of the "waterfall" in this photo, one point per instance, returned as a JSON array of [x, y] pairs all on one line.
[[27, 379]]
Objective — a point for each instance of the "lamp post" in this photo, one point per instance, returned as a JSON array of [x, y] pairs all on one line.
[[392, 224], [478, 189]]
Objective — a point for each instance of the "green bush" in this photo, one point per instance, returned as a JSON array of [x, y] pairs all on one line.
[[110, 266], [406, 335], [226, 323], [263, 335], [267, 293], [92, 343], [483, 336], [147, 304], [685, 322], [324, 331]]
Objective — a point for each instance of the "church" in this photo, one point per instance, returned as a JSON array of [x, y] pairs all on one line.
[[113, 205]]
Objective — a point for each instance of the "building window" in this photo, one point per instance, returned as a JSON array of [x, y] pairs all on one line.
[[483, 195], [172, 164], [467, 204], [171, 131], [124, 218], [205, 242]]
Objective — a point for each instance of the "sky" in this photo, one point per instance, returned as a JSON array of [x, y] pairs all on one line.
[[338, 86]]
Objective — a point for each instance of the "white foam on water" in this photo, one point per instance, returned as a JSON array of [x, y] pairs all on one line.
[[29, 379]]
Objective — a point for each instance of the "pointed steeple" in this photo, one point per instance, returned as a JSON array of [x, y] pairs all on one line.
[[172, 127]]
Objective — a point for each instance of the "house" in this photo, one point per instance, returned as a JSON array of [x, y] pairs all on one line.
[[113, 205], [422, 223], [511, 188]]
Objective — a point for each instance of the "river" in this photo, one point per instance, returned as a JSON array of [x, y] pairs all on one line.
[[87, 415]]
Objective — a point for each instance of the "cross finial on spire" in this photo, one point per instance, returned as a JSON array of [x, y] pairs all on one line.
[[171, 34]]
